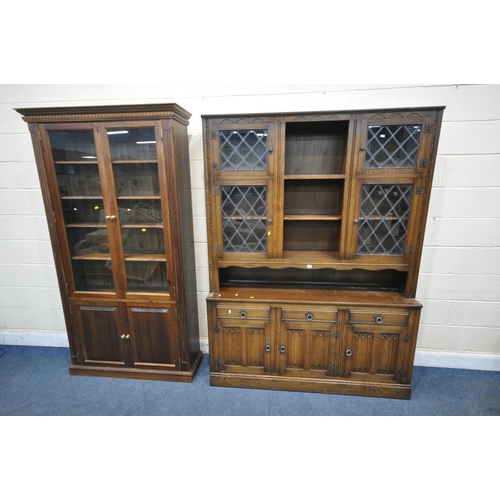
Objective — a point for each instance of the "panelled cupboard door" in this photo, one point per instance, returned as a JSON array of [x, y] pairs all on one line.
[[154, 337], [110, 201], [309, 350], [376, 353], [309, 341], [119, 335], [243, 346], [101, 332]]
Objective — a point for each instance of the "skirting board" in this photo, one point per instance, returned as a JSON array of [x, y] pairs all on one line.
[[434, 359], [458, 360]]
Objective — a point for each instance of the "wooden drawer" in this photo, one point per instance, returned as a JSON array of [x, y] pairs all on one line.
[[378, 317], [324, 315], [242, 312]]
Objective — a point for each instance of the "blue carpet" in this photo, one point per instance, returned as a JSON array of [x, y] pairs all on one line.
[[34, 381]]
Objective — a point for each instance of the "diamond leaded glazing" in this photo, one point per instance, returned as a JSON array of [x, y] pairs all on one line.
[[383, 221], [243, 149], [244, 212], [392, 146]]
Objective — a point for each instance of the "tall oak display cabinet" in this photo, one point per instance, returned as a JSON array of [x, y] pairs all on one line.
[[116, 187], [315, 230]]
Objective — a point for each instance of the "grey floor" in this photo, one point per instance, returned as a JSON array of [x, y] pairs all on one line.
[[36, 381]]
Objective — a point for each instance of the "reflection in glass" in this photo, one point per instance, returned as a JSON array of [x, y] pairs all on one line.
[[72, 145], [146, 276], [143, 241], [82, 211], [93, 275], [78, 180], [132, 144], [383, 221], [243, 149], [392, 146], [136, 179], [139, 211], [87, 240]]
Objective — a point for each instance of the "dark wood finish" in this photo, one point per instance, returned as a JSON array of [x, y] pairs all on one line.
[[120, 219], [325, 281]]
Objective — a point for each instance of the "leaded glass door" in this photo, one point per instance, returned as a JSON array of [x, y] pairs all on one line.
[[383, 220], [394, 145], [245, 219], [244, 178], [392, 156]]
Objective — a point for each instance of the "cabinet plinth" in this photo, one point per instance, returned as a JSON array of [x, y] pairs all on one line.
[[116, 187], [315, 229]]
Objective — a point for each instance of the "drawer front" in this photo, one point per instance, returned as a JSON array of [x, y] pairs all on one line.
[[379, 317], [242, 312], [311, 314]]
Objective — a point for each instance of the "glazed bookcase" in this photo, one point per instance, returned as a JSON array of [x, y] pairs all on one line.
[[315, 230], [116, 186]]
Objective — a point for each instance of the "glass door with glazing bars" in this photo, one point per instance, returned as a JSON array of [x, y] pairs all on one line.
[[244, 187], [110, 190], [390, 176]]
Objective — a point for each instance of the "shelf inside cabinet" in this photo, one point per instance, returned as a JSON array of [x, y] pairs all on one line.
[[146, 225], [313, 217], [133, 162], [307, 177], [76, 162], [87, 224], [313, 196], [311, 235], [81, 197], [315, 148], [92, 256], [141, 197], [310, 256], [154, 257]]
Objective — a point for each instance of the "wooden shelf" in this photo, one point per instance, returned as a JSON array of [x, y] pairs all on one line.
[[146, 257], [81, 197], [92, 256], [87, 224], [311, 256], [313, 217], [76, 162], [146, 225], [132, 162], [314, 177], [139, 197]]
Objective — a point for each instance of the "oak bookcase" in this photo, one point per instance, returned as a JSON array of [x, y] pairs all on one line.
[[116, 187]]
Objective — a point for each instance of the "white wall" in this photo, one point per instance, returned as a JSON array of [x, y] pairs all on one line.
[[460, 273]]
